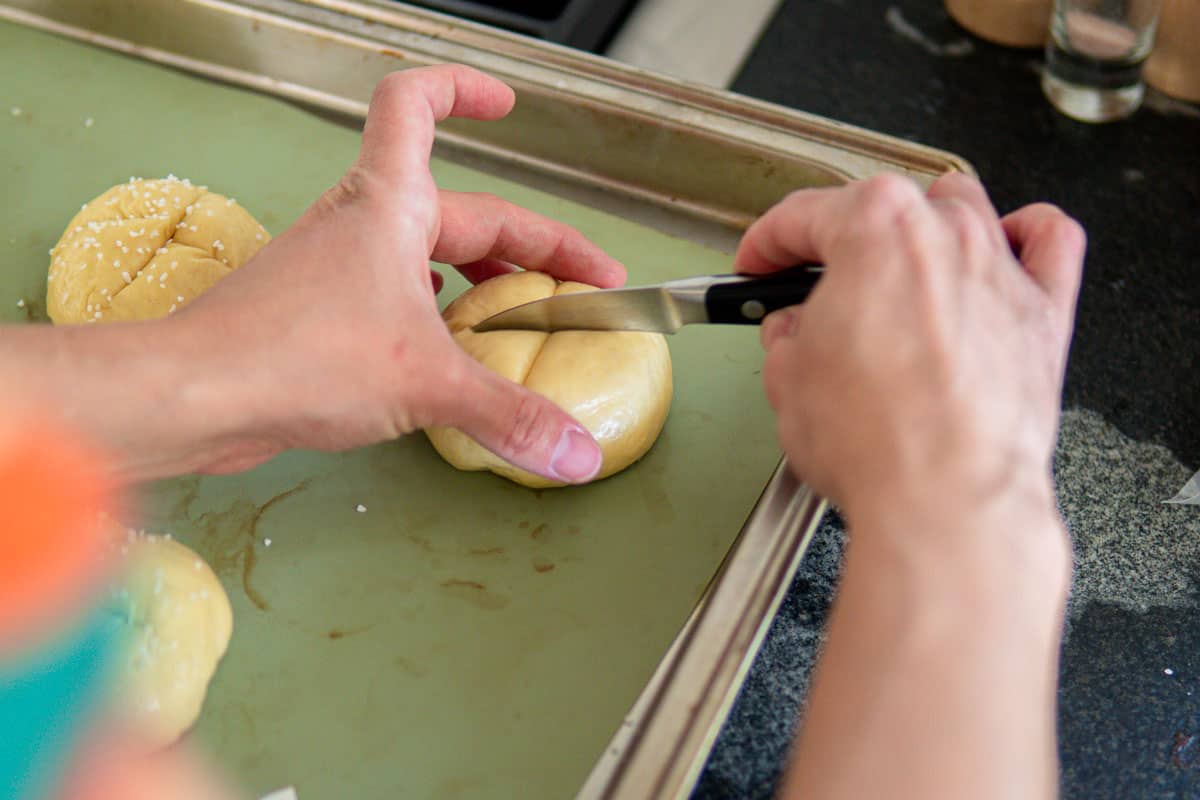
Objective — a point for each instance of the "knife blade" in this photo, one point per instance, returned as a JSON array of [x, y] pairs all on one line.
[[664, 307]]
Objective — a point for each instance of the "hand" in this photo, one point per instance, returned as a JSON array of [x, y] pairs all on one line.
[[928, 363], [333, 328]]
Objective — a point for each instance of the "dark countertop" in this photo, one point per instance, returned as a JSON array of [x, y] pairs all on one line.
[[1129, 700]]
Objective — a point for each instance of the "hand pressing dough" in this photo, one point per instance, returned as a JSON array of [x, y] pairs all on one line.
[[146, 248], [178, 621], [616, 384]]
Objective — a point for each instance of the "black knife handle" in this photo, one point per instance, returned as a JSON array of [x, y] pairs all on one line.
[[747, 302]]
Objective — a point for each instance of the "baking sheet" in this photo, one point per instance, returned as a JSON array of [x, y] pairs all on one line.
[[463, 636]]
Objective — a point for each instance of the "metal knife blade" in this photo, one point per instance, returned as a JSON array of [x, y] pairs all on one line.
[[662, 308]]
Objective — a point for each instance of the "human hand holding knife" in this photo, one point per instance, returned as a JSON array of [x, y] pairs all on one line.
[[663, 307]]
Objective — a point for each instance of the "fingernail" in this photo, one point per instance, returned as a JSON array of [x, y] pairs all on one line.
[[576, 457]]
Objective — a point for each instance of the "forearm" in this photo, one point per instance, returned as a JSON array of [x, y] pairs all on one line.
[[157, 399], [938, 676]]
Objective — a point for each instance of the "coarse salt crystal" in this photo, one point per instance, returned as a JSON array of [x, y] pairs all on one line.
[[89, 122], [1168, 671], [20, 304], [287, 793], [266, 542], [179, 298], [171, 310], [360, 508]]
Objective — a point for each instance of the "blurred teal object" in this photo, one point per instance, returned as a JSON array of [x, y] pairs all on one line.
[[48, 697]]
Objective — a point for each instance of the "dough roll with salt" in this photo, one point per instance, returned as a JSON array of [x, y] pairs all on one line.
[[145, 249], [176, 622], [616, 384]]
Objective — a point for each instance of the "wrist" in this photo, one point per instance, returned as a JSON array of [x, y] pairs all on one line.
[[162, 397], [217, 398], [989, 545]]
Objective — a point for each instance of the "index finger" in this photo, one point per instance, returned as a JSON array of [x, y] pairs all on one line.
[[405, 106], [477, 227], [807, 224]]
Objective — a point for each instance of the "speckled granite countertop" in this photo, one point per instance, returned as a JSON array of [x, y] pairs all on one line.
[[1129, 702]]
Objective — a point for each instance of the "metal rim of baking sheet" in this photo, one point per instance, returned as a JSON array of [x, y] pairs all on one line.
[[329, 54], [580, 117]]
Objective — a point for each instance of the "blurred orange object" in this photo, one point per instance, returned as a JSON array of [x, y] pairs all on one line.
[[54, 547]]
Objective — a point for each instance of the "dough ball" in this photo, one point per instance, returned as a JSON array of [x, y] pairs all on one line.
[[146, 248], [617, 384], [177, 622]]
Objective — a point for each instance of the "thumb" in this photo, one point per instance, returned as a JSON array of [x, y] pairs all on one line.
[[522, 427]]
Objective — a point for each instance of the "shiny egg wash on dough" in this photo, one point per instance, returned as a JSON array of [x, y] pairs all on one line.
[[145, 248], [617, 384]]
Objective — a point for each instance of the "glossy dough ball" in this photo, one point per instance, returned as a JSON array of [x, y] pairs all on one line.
[[146, 248], [617, 384], [176, 622]]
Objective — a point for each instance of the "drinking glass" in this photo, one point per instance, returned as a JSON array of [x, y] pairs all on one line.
[[1094, 56]]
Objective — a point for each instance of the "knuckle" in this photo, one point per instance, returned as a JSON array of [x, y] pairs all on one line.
[[968, 227], [489, 201], [793, 197], [440, 382], [889, 194], [529, 424], [952, 182], [1043, 210], [780, 379], [1052, 221], [1072, 231], [392, 83]]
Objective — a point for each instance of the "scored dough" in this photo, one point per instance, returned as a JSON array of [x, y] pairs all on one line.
[[616, 384], [176, 622], [145, 249]]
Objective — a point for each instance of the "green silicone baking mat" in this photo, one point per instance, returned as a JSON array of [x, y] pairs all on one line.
[[462, 636]]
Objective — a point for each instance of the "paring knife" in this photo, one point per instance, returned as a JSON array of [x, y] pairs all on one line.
[[664, 307]]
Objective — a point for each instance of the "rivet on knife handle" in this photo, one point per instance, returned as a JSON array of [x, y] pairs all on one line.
[[747, 302]]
